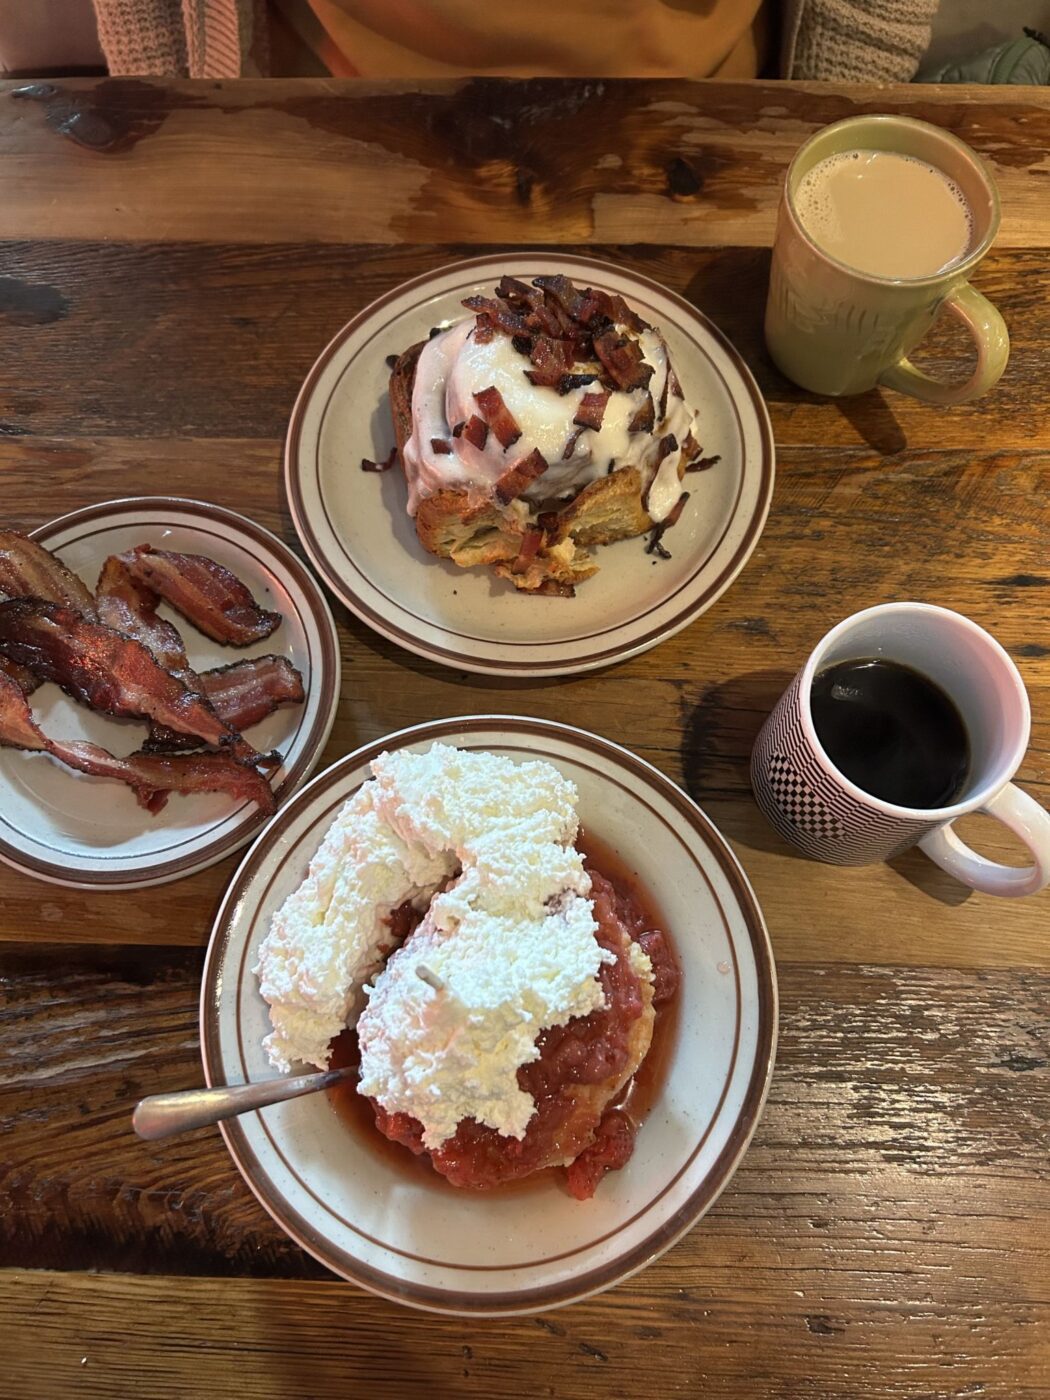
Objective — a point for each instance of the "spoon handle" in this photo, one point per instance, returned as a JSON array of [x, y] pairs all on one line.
[[162, 1115]]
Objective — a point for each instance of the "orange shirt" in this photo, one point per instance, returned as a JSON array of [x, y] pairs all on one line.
[[531, 38]]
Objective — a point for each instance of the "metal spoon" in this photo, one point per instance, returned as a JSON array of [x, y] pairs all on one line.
[[162, 1115]]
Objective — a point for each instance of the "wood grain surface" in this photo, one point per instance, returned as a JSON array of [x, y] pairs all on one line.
[[173, 257]]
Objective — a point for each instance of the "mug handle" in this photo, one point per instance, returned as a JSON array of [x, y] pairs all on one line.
[[989, 331], [1026, 819]]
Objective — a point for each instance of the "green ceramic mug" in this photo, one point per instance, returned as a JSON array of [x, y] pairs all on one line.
[[835, 330]]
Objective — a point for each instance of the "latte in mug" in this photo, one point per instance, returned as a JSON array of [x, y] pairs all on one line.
[[885, 214], [882, 220]]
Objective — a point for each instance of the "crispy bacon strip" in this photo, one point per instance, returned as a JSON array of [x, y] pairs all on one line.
[[591, 410], [209, 595], [622, 359], [498, 416], [520, 476], [151, 777], [23, 678], [441, 446], [107, 671], [127, 605], [28, 570], [241, 695], [247, 691]]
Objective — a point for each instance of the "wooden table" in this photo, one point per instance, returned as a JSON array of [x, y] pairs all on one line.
[[174, 257]]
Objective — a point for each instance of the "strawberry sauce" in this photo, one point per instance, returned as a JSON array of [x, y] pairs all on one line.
[[587, 1051]]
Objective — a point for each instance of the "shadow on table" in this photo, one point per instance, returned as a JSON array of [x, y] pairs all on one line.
[[718, 735], [929, 879], [873, 420]]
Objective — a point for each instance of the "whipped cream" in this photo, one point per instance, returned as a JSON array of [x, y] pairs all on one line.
[[506, 949], [453, 366], [329, 935]]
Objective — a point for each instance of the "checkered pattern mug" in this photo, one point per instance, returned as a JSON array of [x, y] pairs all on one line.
[[818, 810]]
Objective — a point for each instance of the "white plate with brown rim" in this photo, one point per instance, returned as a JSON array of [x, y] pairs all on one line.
[[90, 833], [355, 528], [396, 1227]]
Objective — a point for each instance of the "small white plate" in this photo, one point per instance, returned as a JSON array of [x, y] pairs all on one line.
[[407, 1234], [90, 833], [361, 540]]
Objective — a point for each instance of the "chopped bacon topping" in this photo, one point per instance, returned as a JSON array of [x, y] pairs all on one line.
[[367, 465], [498, 416], [476, 432], [623, 360], [570, 446], [500, 317], [690, 447], [563, 293], [672, 381], [664, 448], [106, 670], [644, 420], [151, 776], [441, 446], [209, 595], [520, 476], [553, 359], [484, 330], [457, 428], [556, 325], [591, 410], [655, 545], [703, 464], [28, 570], [676, 512], [569, 382], [530, 546]]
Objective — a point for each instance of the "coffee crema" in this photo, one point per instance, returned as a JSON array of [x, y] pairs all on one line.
[[891, 731], [885, 214]]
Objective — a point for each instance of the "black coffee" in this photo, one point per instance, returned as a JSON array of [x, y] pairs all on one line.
[[892, 732]]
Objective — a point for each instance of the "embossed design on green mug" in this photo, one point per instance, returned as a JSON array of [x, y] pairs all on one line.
[[835, 330]]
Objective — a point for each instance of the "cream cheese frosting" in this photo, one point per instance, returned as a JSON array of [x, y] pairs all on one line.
[[454, 365]]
